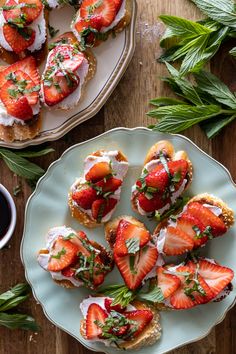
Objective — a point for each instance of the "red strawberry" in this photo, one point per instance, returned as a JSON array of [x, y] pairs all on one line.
[[27, 65], [216, 276], [80, 242], [117, 4], [85, 197], [19, 108], [102, 207], [158, 179], [127, 231], [177, 242], [16, 40], [178, 169], [167, 282], [134, 268], [207, 217], [68, 272], [32, 11], [184, 297], [109, 307], [63, 254], [13, 13], [99, 171], [141, 317], [150, 205], [94, 21], [95, 313], [109, 185], [192, 227], [71, 60], [105, 8], [60, 88]]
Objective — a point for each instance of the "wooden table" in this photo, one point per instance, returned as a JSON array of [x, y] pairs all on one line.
[[126, 107]]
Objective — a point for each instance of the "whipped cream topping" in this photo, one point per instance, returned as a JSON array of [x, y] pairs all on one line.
[[38, 25], [43, 259], [119, 169]]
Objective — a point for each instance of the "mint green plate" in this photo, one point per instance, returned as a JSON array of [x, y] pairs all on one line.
[[47, 207]]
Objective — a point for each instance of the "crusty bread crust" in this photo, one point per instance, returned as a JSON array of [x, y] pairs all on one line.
[[82, 217], [227, 213], [148, 337], [111, 227], [168, 149]]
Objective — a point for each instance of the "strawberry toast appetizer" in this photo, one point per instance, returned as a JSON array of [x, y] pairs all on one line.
[[204, 217], [22, 27], [135, 254], [165, 176], [132, 327], [66, 73], [73, 260], [97, 19], [94, 196], [19, 100], [186, 285]]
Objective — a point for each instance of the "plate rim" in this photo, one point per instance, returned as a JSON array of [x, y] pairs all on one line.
[[99, 101], [219, 320]]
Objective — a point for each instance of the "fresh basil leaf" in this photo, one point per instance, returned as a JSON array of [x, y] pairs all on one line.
[[209, 83], [174, 119], [155, 295], [17, 290], [20, 166], [220, 11], [214, 126], [13, 321], [34, 153], [13, 302], [165, 101]]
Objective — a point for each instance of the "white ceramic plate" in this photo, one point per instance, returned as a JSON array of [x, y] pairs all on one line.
[[47, 207], [113, 57]]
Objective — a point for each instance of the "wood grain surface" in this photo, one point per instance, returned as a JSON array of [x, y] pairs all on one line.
[[126, 107]]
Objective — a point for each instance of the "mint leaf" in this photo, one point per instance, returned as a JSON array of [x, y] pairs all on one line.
[[153, 295], [132, 245], [233, 52], [165, 101], [39, 153], [121, 294], [213, 127]]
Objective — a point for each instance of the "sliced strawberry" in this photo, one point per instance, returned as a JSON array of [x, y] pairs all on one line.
[[72, 59], [193, 228], [11, 13], [177, 242], [117, 4], [109, 185], [109, 307], [63, 254], [95, 314], [101, 207], [68, 272], [94, 21], [31, 10], [178, 170], [150, 205], [105, 8], [134, 268], [168, 283], [99, 171], [82, 243], [141, 318], [127, 231], [19, 39], [207, 217], [85, 197], [65, 38], [216, 276], [158, 179], [60, 87], [188, 294], [19, 108]]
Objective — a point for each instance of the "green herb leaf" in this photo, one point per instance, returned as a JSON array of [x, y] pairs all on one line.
[[165, 101], [17, 290], [35, 153], [121, 294], [233, 52], [13, 321], [13, 302], [153, 295], [213, 127], [52, 31], [132, 245]]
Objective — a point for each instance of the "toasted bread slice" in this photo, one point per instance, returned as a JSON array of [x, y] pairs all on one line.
[[79, 214], [111, 227], [168, 150], [227, 213], [149, 336]]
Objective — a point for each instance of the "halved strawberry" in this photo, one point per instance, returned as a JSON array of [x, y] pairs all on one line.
[[141, 318], [31, 10], [82, 243], [95, 315], [105, 8], [207, 217], [19, 108], [85, 197], [71, 58], [192, 291], [101, 207], [216, 276], [117, 4], [158, 178], [135, 267], [99, 171], [63, 254], [68, 272], [19, 39], [177, 242], [11, 13], [193, 228], [178, 170], [126, 232], [58, 87], [27, 65], [94, 22], [109, 307], [150, 205], [109, 185], [167, 282]]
